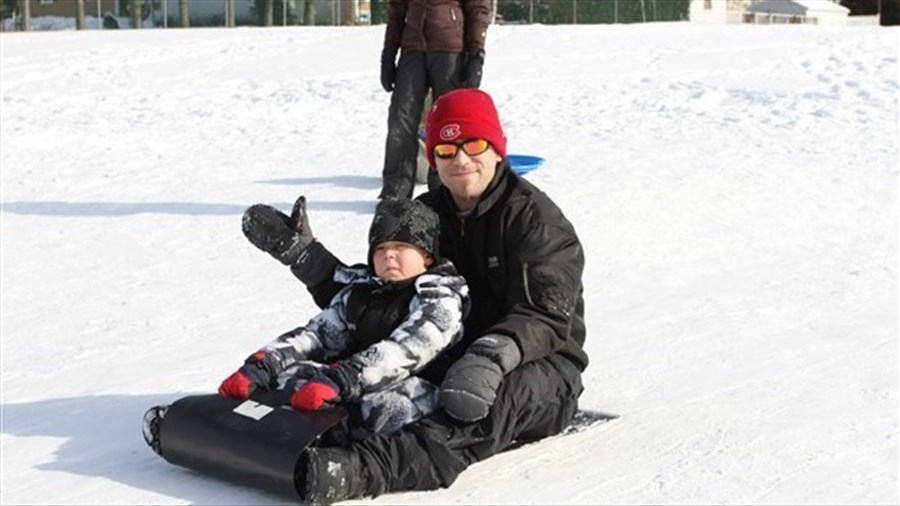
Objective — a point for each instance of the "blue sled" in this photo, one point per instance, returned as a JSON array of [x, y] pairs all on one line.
[[523, 164]]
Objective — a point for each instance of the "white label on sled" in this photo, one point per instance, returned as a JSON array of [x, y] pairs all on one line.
[[253, 410]]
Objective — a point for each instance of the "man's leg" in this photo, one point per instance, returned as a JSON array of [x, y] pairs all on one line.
[[535, 400], [402, 145], [444, 71]]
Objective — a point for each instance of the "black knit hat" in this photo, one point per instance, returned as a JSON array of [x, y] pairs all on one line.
[[404, 220]]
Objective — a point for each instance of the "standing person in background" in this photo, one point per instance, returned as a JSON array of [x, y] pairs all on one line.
[[441, 47]]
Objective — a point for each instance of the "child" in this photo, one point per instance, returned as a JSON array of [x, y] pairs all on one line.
[[388, 321]]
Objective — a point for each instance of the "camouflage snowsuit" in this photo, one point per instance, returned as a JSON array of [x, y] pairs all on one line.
[[415, 321]]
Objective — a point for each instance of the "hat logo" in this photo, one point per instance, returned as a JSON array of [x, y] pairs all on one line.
[[450, 132]]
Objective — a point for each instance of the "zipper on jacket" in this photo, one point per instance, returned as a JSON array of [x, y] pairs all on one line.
[[525, 282], [452, 14]]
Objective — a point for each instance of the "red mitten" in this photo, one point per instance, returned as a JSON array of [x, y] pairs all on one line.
[[315, 394], [237, 386]]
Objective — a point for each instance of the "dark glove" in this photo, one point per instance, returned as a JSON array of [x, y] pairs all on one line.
[[470, 386], [334, 385], [471, 72], [388, 69], [281, 236]]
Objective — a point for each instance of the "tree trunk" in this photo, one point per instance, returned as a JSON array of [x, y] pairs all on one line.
[[25, 15], [184, 14], [135, 6], [269, 13], [229, 13], [309, 13], [79, 15], [348, 12]]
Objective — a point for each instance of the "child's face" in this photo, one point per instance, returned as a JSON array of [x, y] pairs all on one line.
[[398, 261]]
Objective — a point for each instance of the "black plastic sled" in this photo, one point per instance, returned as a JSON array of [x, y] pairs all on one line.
[[256, 442]]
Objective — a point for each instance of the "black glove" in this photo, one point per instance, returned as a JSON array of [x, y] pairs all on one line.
[[471, 72], [388, 69], [277, 234], [470, 386]]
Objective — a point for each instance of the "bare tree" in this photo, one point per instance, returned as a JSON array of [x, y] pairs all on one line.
[[229, 13], [135, 7], [25, 10], [309, 13], [269, 13], [184, 14], [79, 15], [348, 12]]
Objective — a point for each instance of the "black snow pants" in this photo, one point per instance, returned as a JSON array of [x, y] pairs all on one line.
[[535, 400], [417, 73]]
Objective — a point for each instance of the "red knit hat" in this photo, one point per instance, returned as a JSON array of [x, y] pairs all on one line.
[[465, 113]]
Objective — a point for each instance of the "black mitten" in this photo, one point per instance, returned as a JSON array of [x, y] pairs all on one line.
[[471, 73], [470, 386], [277, 234], [388, 69]]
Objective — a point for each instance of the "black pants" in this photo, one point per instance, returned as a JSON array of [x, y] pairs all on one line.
[[417, 73], [535, 400]]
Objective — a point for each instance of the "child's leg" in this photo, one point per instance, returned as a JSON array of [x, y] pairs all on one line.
[[388, 410]]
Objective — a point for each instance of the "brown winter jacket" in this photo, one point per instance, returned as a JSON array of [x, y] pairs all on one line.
[[449, 26]]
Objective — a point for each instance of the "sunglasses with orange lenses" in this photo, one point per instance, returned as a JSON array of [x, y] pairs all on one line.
[[471, 147]]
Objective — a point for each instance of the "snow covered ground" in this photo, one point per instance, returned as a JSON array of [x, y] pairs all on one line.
[[735, 189]]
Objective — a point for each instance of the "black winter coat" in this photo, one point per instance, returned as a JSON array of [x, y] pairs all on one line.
[[523, 263]]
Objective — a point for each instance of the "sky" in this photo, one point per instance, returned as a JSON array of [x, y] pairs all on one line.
[[734, 189]]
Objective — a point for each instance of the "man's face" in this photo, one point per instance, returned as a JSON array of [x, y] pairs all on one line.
[[467, 176]]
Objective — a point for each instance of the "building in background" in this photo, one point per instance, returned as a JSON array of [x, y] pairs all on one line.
[[67, 8], [818, 12]]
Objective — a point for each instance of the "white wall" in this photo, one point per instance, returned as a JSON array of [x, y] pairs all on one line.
[[826, 12]]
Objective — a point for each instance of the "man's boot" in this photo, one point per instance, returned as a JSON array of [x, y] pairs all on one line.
[[328, 475]]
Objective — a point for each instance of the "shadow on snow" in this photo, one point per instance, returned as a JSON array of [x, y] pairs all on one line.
[[108, 209], [358, 182]]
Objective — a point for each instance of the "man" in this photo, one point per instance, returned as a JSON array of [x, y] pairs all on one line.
[[441, 46], [517, 372]]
